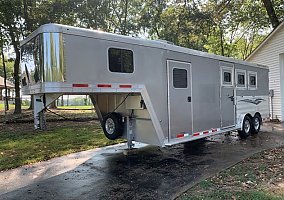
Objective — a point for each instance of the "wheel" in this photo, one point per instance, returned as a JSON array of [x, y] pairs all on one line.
[[113, 126], [256, 123], [246, 128]]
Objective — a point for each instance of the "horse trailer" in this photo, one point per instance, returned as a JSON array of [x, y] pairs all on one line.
[[143, 90]]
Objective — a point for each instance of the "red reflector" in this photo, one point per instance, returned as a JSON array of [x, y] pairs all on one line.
[[80, 85], [205, 132], [195, 134], [125, 86], [104, 85], [180, 135]]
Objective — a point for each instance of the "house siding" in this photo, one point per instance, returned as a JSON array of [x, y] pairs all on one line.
[[268, 55]]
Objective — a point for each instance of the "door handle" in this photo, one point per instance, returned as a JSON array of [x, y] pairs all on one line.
[[231, 97], [188, 99]]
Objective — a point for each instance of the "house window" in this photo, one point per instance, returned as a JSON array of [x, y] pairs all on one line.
[[252, 79], [120, 60], [179, 78]]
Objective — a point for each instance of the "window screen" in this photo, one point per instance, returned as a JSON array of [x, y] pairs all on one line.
[[120, 60], [179, 78], [241, 80], [227, 77], [252, 80]]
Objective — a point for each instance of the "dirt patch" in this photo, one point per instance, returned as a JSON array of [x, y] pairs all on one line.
[[51, 115], [260, 176]]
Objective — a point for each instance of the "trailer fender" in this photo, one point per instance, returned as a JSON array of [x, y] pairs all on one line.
[[240, 120]]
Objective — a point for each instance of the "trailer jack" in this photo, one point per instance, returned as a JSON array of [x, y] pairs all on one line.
[[41, 101], [130, 135]]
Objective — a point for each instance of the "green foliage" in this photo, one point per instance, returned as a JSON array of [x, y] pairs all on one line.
[[229, 28], [186, 26], [25, 102], [9, 69], [237, 28]]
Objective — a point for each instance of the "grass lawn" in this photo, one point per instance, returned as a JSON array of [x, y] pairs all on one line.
[[11, 106], [75, 107], [260, 177], [20, 144], [27, 115]]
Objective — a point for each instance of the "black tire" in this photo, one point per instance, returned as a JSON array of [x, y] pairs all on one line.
[[113, 126], [246, 128], [256, 123]]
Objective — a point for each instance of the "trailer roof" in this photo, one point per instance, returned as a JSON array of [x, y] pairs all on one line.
[[59, 28]]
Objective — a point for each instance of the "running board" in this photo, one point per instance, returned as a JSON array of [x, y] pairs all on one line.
[[194, 136]]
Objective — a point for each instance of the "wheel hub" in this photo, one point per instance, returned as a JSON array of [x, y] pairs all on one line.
[[256, 123], [247, 126], [110, 126]]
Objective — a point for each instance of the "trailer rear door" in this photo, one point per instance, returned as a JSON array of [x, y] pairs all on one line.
[[179, 98], [227, 95]]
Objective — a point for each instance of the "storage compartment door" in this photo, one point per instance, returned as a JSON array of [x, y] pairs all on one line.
[[179, 98], [227, 96]]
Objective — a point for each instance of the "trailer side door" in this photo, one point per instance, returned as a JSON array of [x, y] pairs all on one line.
[[227, 98], [179, 98]]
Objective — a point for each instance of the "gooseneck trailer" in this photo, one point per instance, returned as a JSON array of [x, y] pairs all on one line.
[[144, 90]]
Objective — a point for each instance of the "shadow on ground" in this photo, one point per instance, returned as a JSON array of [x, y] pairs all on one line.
[[148, 172]]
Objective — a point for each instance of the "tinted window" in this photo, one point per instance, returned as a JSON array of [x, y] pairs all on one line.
[[31, 61], [241, 79], [227, 77], [120, 60], [252, 80], [179, 78]]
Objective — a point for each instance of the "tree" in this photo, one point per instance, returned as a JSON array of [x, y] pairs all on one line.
[[237, 27], [271, 13], [94, 14], [11, 23], [4, 71], [225, 27], [9, 63]]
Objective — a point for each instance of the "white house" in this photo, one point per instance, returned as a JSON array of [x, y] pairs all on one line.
[[271, 53], [10, 87]]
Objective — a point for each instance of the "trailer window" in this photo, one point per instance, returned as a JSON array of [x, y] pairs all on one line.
[[179, 78], [31, 62], [252, 80], [42, 59], [120, 60], [241, 78], [227, 77]]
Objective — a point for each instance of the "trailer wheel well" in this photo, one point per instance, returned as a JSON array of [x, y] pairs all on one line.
[[245, 131], [249, 115]]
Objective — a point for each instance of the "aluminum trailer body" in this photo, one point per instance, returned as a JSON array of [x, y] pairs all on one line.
[[146, 91]]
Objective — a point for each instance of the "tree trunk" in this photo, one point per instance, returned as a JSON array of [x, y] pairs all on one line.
[[31, 107], [124, 30], [18, 108], [271, 13], [5, 79], [222, 41]]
